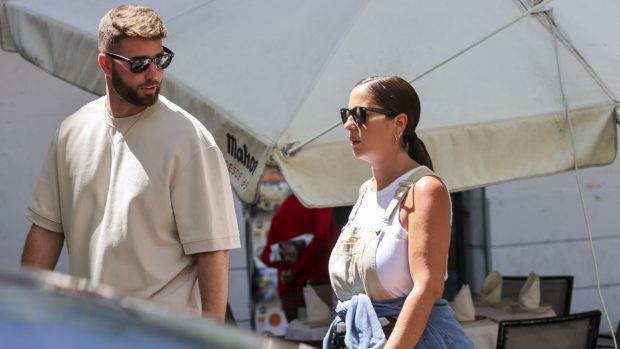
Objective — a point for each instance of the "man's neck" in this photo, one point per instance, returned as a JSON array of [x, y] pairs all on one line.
[[121, 109]]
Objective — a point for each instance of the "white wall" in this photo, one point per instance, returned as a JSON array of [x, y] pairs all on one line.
[[538, 225], [32, 105]]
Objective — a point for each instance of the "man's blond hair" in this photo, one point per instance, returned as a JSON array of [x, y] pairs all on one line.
[[129, 21]]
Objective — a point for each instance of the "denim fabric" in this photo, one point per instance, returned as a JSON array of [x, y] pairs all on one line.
[[442, 331], [362, 323]]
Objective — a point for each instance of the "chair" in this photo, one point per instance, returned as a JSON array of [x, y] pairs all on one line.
[[554, 290], [605, 340], [576, 331]]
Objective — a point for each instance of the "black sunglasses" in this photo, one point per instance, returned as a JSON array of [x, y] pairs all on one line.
[[138, 65], [359, 114]]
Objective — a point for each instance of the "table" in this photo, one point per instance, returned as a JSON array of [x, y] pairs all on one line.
[[483, 333], [302, 331], [305, 332]]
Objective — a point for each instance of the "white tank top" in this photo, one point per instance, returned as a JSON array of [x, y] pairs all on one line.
[[392, 257]]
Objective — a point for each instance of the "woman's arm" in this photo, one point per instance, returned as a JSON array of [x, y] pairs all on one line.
[[425, 214]]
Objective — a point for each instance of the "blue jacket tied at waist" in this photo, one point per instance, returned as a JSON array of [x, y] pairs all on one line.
[[361, 318]]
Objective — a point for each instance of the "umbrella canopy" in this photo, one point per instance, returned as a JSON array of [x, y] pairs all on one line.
[[267, 79]]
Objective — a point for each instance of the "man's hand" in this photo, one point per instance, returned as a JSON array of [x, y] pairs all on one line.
[[42, 248]]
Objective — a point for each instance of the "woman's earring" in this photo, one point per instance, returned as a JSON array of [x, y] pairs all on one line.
[[397, 137]]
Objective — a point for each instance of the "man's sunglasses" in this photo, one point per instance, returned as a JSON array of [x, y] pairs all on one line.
[[138, 65], [359, 114]]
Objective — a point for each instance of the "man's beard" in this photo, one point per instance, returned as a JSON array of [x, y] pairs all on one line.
[[130, 94]]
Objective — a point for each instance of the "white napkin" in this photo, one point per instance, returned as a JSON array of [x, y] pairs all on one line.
[[464, 305], [316, 309], [491, 291], [529, 295]]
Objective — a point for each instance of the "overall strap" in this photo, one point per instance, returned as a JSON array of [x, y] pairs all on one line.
[[358, 203], [403, 187]]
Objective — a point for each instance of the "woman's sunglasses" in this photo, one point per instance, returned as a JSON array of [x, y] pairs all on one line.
[[138, 65], [359, 114]]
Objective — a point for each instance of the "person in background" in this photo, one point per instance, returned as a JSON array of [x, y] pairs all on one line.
[[390, 259], [135, 185], [299, 265]]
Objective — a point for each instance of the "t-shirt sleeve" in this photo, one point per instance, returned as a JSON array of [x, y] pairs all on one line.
[[44, 208], [203, 204]]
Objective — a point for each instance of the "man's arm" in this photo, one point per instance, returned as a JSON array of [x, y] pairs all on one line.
[[213, 283], [42, 248]]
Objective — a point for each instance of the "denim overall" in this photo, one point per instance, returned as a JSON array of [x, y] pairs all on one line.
[[353, 271]]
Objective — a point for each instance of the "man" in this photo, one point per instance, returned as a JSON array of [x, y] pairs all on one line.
[[135, 185]]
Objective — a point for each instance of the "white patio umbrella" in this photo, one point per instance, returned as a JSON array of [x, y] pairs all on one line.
[[267, 79]]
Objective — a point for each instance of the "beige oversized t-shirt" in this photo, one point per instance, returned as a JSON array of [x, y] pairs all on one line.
[[136, 197]]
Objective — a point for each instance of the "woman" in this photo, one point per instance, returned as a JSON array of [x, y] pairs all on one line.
[[390, 259], [298, 268]]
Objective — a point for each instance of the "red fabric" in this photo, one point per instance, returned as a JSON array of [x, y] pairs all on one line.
[[293, 219]]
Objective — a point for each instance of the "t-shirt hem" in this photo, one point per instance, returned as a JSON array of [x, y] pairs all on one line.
[[217, 244]]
